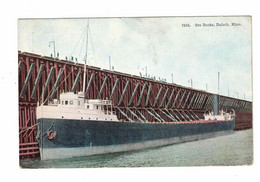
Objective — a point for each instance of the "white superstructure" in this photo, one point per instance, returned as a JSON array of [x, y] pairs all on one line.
[[73, 106], [223, 116]]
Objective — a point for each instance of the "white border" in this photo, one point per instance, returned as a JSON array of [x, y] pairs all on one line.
[[11, 11]]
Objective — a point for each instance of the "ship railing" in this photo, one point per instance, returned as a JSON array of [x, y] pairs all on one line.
[[107, 112], [106, 102], [102, 102]]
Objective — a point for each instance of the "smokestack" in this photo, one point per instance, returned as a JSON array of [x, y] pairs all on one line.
[[216, 104]]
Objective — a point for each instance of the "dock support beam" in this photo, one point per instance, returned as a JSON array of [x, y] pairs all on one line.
[[19, 66], [191, 100], [211, 102], [207, 102], [191, 115], [156, 99], [134, 115], [186, 100], [186, 115], [178, 93], [88, 87], [141, 95], [102, 87], [195, 115], [165, 94], [133, 94], [176, 116], [129, 119], [56, 83], [180, 114], [148, 94], [28, 77], [202, 102], [141, 115], [157, 115], [123, 93], [75, 82], [170, 117], [47, 81], [170, 98], [114, 88], [223, 103], [153, 115], [196, 100], [37, 80], [183, 95]]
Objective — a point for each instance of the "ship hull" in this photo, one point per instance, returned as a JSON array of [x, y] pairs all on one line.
[[59, 138]]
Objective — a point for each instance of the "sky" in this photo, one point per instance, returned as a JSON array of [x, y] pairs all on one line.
[[163, 45]]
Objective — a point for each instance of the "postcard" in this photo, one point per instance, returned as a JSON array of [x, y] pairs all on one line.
[[135, 92]]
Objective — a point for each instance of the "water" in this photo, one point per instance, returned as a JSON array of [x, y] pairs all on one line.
[[233, 149]]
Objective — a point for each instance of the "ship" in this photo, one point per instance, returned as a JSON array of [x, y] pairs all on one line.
[[73, 126]]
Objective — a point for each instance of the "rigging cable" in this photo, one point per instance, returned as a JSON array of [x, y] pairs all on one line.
[[78, 43], [82, 45], [92, 46], [27, 128]]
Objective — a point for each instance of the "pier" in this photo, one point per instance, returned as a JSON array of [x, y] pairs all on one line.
[[134, 98]]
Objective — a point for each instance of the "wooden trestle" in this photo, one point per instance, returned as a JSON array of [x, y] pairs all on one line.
[[135, 99]]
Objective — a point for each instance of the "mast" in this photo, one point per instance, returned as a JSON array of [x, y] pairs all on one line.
[[86, 58], [109, 64], [218, 82]]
